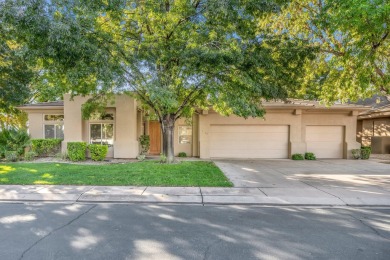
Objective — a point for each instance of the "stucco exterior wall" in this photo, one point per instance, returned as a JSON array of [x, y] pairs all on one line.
[[347, 119], [36, 121], [125, 125], [297, 120]]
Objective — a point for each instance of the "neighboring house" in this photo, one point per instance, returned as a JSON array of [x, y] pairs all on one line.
[[373, 127], [289, 127]]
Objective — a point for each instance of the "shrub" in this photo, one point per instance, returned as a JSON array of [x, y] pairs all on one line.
[[98, 151], [182, 154], [11, 156], [297, 156], [365, 152], [76, 151], [29, 156], [163, 158], [356, 153], [144, 141], [13, 140], [310, 156], [46, 147], [141, 157]]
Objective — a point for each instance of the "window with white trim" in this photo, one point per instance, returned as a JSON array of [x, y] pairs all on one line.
[[185, 134], [53, 126], [101, 133]]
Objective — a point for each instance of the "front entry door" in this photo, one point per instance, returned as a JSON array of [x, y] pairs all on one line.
[[155, 137]]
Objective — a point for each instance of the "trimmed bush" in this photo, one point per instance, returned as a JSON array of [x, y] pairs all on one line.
[[46, 147], [98, 151], [297, 156], [11, 156], [13, 140], [356, 153], [29, 156], [182, 154], [76, 151], [310, 156], [365, 152], [144, 141]]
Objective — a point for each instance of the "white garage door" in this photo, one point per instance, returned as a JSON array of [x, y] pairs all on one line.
[[249, 141], [325, 141]]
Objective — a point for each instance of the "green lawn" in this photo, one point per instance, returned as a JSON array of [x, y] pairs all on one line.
[[149, 173]]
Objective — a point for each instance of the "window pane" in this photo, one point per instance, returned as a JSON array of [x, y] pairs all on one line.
[[49, 131], [60, 131], [96, 134], [108, 134], [185, 134], [54, 117]]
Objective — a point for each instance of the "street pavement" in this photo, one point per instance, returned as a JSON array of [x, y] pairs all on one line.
[[152, 231], [256, 182]]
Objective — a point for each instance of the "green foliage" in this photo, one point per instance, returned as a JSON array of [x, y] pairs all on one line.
[[77, 151], [173, 57], [144, 141], [29, 156], [98, 152], [352, 43], [11, 156], [356, 153], [46, 147], [13, 140], [163, 158], [182, 154], [297, 156], [310, 156], [365, 152], [141, 157]]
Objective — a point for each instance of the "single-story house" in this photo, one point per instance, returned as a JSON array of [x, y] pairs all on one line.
[[373, 128], [295, 126]]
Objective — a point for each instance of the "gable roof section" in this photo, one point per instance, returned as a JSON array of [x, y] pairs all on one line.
[[379, 107]]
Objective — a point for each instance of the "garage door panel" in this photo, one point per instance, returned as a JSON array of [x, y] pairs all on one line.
[[325, 141], [250, 145], [248, 129], [250, 154], [250, 137], [254, 141]]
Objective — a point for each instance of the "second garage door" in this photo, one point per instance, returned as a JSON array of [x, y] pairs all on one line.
[[325, 141], [249, 141]]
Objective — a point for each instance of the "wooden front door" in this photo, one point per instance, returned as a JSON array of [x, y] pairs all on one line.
[[155, 137]]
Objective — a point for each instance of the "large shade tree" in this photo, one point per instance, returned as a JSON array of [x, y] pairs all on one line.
[[352, 43], [175, 56]]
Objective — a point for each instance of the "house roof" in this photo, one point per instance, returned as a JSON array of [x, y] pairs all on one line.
[[300, 103], [379, 107], [43, 105]]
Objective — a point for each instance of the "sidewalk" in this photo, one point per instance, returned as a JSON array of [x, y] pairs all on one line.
[[309, 196]]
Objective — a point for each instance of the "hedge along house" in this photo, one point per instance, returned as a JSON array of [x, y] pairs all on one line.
[[289, 127]]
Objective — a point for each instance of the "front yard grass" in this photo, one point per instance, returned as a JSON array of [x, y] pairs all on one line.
[[151, 173]]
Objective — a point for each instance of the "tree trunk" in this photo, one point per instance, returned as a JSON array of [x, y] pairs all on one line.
[[168, 129]]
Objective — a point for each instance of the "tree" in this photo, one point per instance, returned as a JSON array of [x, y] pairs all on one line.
[[352, 43], [174, 56]]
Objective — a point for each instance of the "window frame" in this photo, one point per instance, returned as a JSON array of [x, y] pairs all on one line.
[[55, 131], [54, 123], [101, 123], [179, 135]]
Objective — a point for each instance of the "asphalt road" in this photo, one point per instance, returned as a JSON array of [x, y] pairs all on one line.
[[141, 231]]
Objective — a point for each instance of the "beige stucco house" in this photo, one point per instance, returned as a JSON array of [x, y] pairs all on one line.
[[288, 127], [373, 128]]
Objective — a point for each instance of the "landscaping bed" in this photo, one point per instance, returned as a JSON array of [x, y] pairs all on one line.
[[147, 173]]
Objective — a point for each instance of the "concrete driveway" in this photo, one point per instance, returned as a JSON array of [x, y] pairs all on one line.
[[352, 182]]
